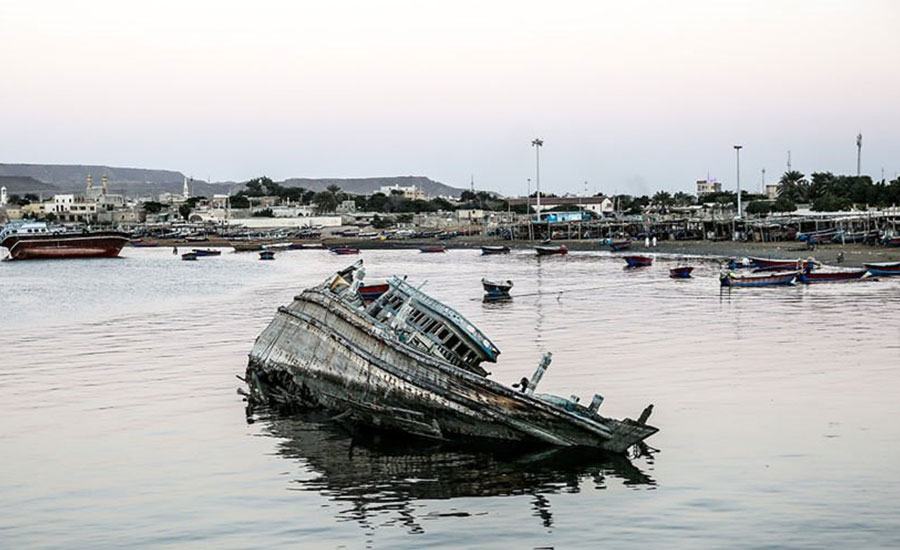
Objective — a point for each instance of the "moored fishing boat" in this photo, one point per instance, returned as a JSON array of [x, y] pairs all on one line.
[[496, 290], [267, 255], [206, 252], [433, 249], [408, 363], [488, 250], [891, 241], [682, 272], [638, 261], [189, 257], [730, 279], [30, 240], [370, 293], [774, 264], [884, 269], [818, 237], [307, 246], [831, 276], [343, 250], [619, 244], [546, 250]]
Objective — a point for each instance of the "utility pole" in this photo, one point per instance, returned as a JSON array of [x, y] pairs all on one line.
[[789, 160], [762, 185], [737, 150]]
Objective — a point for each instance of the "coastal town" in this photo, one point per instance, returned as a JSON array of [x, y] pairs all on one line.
[[264, 210]]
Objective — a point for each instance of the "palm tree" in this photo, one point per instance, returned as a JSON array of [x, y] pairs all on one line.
[[794, 186], [328, 200]]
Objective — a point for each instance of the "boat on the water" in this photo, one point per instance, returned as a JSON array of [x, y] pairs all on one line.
[[488, 250], [307, 246], [496, 290], [343, 250], [619, 244], [884, 269], [408, 363], [776, 264], [730, 279], [551, 250], [831, 275], [682, 272], [267, 255], [189, 257], [433, 249], [638, 261], [31, 240], [206, 252]]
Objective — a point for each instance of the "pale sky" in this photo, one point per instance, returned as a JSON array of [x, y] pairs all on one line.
[[631, 97]]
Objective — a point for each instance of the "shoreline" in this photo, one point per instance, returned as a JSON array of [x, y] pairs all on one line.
[[854, 255]]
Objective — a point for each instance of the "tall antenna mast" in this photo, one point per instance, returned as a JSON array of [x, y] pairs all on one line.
[[789, 160], [858, 153]]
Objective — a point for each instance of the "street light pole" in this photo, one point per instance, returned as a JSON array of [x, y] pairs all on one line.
[[537, 143], [737, 149]]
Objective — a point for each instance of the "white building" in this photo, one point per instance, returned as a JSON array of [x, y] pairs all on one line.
[[408, 191], [707, 186], [773, 190]]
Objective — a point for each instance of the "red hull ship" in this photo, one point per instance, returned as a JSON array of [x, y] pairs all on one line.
[[34, 240]]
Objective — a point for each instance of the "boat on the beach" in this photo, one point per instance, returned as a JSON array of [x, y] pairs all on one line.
[[831, 275], [433, 249], [408, 363], [730, 279], [739, 263], [343, 250], [545, 250], [488, 250], [848, 237], [619, 244], [682, 272], [189, 257], [267, 255], [884, 269], [206, 252], [891, 241], [31, 240], [496, 290], [638, 261], [248, 246], [818, 237], [144, 244]]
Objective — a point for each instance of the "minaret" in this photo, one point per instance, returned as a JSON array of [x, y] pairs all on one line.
[[186, 192], [90, 184], [104, 182], [3, 197]]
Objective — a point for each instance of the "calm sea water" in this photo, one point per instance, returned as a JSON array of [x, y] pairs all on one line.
[[778, 410]]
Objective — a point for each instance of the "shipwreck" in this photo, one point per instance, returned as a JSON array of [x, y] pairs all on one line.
[[388, 356]]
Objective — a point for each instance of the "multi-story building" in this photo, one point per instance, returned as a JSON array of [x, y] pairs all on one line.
[[708, 186]]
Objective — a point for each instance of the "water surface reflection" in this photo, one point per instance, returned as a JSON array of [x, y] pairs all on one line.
[[377, 474]]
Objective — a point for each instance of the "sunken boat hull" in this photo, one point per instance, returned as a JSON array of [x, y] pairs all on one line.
[[323, 352]]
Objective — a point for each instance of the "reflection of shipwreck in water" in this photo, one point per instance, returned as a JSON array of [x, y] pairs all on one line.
[[377, 474], [397, 359]]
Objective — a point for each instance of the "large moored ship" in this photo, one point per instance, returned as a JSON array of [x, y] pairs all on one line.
[[27, 240]]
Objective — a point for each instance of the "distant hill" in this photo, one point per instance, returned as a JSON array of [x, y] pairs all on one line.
[[71, 178], [367, 186], [19, 185]]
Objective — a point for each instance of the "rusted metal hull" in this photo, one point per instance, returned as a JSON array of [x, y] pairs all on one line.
[[320, 353], [105, 244]]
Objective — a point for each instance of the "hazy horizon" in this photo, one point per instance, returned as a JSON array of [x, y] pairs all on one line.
[[630, 98]]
